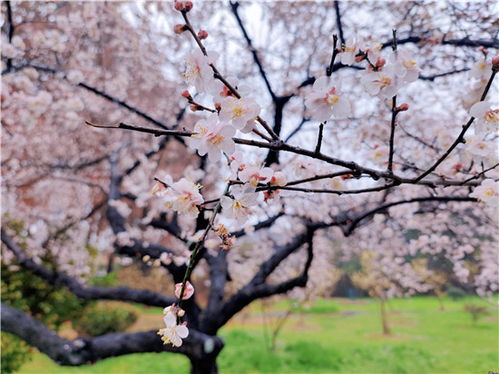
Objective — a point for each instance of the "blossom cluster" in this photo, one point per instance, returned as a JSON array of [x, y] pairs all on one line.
[[173, 333], [326, 100]]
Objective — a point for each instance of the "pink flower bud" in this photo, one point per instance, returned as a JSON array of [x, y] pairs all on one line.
[[495, 62], [278, 179], [218, 107], [380, 62], [188, 290], [359, 58], [188, 5], [203, 34], [403, 107], [179, 5], [186, 94], [179, 28]]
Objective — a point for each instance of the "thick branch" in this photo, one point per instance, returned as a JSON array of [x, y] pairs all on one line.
[[357, 220], [84, 292], [257, 288], [86, 351]]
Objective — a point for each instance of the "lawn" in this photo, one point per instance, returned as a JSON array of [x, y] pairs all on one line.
[[332, 336]]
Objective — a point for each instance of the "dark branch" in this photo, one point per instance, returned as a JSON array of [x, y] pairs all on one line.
[[85, 292], [357, 220], [339, 25], [234, 6], [86, 351]]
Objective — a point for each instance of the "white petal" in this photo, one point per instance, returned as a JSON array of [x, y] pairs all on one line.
[[182, 331]]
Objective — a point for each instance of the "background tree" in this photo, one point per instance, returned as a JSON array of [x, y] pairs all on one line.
[[106, 63]]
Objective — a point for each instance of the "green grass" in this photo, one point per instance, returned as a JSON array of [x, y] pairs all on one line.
[[335, 336]]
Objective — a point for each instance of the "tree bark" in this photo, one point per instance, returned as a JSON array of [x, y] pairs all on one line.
[[206, 365], [384, 321]]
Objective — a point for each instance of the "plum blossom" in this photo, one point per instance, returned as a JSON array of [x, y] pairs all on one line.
[[405, 66], [325, 100], [382, 83], [487, 192], [380, 154], [239, 111], [236, 164], [487, 119], [481, 70], [278, 179], [173, 333], [478, 147], [349, 50], [213, 137], [184, 197], [198, 73], [372, 49], [239, 208], [254, 175], [188, 291]]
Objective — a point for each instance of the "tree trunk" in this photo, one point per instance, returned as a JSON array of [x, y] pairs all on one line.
[[384, 321], [440, 301], [207, 365]]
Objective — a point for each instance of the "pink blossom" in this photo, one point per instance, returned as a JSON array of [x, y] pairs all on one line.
[[239, 208], [184, 197], [349, 50], [406, 68], [238, 111], [278, 179], [198, 73], [382, 83], [487, 118], [255, 175], [487, 192], [188, 291], [213, 137], [173, 333], [325, 100]]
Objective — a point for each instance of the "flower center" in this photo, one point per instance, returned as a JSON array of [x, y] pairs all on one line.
[[215, 138], [492, 116], [384, 82], [409, 64], [237, 112]]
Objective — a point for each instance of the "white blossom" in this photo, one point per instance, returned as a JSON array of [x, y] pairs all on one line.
[[325, 100]]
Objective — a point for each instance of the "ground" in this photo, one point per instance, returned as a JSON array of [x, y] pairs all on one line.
[[331, 336]]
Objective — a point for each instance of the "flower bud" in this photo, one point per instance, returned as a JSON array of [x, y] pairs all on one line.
[[186, 94], [203, 34], [195, 107], [402, 108], [179, 28], [188, 6], [380, 62], [179, 5], [218, 107], [360, 58], [495, 62]]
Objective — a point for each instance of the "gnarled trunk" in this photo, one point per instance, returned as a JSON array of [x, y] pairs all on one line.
[[207, 365], [204, 355]]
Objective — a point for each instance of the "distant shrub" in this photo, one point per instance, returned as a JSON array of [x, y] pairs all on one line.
[[318, 308], [104, 318], [456, 293], [15, 353], [476, 311]]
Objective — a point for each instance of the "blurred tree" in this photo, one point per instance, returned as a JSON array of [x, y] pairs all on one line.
[[381, 171]]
